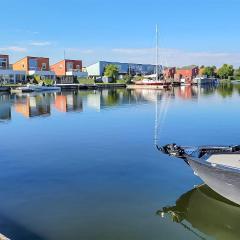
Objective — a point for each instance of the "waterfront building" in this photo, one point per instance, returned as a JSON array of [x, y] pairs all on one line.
[[8, 75], [4, 61], [97, 69], [68, 67], [35, 66], [187, 73], [68, 71], [169, 72]]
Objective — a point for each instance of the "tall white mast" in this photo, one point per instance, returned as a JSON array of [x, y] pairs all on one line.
[[156, 106], [157, 52]]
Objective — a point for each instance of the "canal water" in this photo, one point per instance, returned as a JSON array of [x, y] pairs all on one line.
[[83, 165]]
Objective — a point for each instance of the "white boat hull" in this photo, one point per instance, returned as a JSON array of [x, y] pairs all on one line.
[[33, 88], [223, 180]]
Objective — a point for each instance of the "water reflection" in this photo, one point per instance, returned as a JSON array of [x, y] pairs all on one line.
[[32, 106], [68, 102], [187, 92], [5, 107], [205, 213], [43, 104]]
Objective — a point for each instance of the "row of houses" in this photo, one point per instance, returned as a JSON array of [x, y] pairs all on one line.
[[66, 70], [31, 66]]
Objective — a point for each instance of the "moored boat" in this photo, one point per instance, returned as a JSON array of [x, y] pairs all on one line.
[[217, 166], [154, 79], [37, 88], [151, 82], [4, 89]]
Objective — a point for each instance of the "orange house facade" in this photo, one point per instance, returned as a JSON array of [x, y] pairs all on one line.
[[35, 66], [67, 67], [32, 64]]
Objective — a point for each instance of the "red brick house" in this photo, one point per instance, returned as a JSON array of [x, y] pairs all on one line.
[[188, 73]]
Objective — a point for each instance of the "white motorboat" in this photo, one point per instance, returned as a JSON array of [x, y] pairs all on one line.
[[217, 166], [38, 88]]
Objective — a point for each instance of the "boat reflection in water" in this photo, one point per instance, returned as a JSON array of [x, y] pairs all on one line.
[[206, 214]]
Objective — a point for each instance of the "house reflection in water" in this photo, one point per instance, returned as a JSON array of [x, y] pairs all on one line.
[[94, 101], [70, 102], [33, 106], [187, 92], [5, 107]]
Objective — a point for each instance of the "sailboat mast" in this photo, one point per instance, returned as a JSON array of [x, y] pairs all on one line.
[[157, 52], [156, 105]]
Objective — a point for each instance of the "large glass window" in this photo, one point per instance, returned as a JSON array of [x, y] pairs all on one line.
[[69, 66], [3, 63], [33, 65], [44, 66]]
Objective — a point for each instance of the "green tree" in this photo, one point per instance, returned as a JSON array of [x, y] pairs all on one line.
[[225, 71], [237, 74], [111, 71], [127, 78], [209, 71]]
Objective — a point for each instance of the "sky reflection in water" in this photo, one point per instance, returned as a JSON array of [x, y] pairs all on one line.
[[83, 165]]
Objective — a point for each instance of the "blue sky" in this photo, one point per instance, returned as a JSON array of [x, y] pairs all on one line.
[[191, 31]]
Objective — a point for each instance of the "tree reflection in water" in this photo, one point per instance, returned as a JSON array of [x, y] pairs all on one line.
[[225, 89]]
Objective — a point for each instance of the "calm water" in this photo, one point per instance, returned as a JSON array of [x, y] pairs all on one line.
[[83, 165]]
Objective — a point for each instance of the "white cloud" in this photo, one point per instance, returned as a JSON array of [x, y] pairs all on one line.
[[175, 57], [13, 49], [40, 44]]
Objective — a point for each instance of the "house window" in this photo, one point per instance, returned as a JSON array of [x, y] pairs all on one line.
[[3, 63], [33, 64], [44, 66], [78, 67], [69, 66]]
